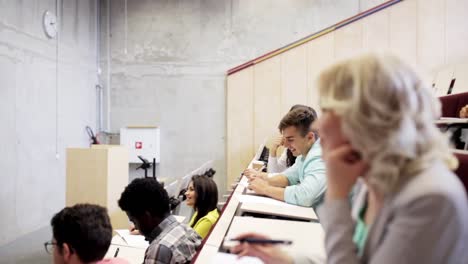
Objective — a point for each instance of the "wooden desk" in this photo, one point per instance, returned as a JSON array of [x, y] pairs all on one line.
[[278, 208], [451, 121], [206, 254], [308, 238], [132, 255]]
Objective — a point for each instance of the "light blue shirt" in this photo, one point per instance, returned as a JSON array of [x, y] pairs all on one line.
[[307, 179]]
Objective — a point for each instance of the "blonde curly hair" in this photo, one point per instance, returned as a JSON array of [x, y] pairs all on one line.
[[388, 114]]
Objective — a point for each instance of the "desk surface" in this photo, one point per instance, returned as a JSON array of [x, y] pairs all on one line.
[[450, 120], [308, 238], [132, 255], [207, 254], [276, 208]]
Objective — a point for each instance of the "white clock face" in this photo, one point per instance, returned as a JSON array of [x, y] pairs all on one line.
[[49, 22]]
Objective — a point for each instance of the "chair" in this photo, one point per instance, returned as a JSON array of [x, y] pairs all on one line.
[[462, 170], [452, 104]]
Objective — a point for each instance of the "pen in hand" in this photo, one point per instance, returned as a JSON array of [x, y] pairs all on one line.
[[262, 241], [116, 252]]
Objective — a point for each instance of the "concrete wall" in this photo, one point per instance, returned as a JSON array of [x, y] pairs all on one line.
[[169, 58], [45, 102], [167, 67]]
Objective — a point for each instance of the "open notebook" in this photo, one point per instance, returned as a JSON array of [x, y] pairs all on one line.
[[136, 241]]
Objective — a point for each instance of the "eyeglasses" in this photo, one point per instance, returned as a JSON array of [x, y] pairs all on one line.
[[49, 246]]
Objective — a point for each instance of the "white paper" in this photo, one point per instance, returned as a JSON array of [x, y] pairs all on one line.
[[132, 255], [245, 198], [137, 241], [179, 218], [226, 258]]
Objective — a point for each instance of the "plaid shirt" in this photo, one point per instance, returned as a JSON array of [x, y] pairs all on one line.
[[172, 242]]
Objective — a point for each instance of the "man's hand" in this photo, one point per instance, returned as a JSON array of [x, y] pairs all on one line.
[[274, 145], [464, 112], [268, 253], [252, 174], [259, 186]]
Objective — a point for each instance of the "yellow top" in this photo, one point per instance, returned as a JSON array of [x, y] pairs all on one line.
[[204, 224]]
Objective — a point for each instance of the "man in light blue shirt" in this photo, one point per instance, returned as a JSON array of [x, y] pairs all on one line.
[[304, 183]]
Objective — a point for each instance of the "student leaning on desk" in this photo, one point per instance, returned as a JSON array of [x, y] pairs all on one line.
[[287, 158], [377, 125], [147, 205], [81, 234], [304, 183]]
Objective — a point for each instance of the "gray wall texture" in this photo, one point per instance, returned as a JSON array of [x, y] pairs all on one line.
[[163, 62], [168, 61], [45, 102]]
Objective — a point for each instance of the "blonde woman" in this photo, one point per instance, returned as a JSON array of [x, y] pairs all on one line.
[[377, 132]]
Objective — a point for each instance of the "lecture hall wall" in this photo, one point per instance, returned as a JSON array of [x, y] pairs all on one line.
[[432, 34]]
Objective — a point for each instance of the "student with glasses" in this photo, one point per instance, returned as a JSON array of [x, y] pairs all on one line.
[[81, 234]]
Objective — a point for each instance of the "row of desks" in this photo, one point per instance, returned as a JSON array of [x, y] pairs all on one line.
[[299, 224], [240, 215]]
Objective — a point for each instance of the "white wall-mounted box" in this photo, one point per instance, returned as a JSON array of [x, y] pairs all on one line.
[[141, 141]]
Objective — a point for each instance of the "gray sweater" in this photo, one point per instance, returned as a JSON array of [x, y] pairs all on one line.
[[425, 222]]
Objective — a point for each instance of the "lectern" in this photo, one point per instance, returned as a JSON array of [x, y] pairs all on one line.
[[98, 175]]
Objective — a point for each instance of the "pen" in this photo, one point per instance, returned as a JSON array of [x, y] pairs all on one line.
[[262, 241], [116, 252]]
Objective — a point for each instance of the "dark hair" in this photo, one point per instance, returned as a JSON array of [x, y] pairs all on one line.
[[86, 229], [145, 195], [290, 158], [296, 106], [300, 117], [207, 196]]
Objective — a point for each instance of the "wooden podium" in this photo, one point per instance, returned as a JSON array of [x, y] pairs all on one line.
[[98, 175]]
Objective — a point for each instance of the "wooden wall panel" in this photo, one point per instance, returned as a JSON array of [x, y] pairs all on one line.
[[348, 40], [239, 120], [320, 54], [457, 31], [430, 34], [368, 4], [376, 31], [293, 78], [461, 76], [267, 99], [403, 31], [442, 81]]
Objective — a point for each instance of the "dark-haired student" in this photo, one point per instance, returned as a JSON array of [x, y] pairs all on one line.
[[286, 159], [147, 205], [202, 195], [304, 183], [81, 234]]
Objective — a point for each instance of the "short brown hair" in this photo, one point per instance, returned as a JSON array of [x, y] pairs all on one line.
[[86, 228], [301, 118]]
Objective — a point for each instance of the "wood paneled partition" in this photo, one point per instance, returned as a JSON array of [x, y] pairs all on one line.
[[428, 33]]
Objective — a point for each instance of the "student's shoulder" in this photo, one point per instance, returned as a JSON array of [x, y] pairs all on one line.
[[210, 217], [213, 216]]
